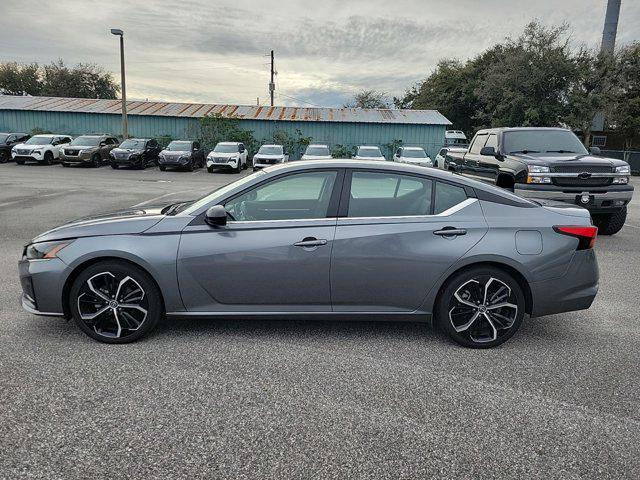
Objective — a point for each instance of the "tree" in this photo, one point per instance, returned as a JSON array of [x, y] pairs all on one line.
[[217, 128], [57, 80], [624, 113], [18, 79], [369, 99]]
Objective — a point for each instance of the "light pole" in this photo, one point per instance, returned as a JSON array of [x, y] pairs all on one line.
[[125, 126]]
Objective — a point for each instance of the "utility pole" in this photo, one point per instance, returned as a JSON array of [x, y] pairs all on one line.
[[125, 125], [272, 85], [610, 26], [607, 47]]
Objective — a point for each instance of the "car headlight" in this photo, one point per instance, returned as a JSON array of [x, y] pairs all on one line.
[[537, 169], [45, 250], [36, 152], [624, 169]]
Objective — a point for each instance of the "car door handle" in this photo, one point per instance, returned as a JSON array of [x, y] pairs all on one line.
[[310, 242], [450, 232]]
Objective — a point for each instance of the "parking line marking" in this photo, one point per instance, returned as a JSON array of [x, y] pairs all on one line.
[[158, 198], [37, 196], [632, 226]]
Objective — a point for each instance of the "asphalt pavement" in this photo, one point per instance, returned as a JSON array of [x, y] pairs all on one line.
[[316, 399]]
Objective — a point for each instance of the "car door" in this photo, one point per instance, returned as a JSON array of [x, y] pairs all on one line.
[[488, 166], [471, 163], [274, 253], [396, 236]]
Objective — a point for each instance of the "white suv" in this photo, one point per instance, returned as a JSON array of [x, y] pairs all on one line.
[[43, 149], [365, 152], [269, 155], [317, 152], [227, 155], [412, 156]]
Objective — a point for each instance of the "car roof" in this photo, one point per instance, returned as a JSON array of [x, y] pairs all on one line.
[[143, 139], [229, 143], [520, 129], [412, 148], [271, 145]]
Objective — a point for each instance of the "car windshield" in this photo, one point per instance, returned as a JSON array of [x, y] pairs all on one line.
[[369, 152], [39, 140], [541, 141], [221, 191], [226, 148], [3, 137], [132, 143], [419, 153], [179, 146], [270, 150], [318, 151], [86, 141]]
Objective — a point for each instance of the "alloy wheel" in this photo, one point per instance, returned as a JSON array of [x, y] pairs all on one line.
[[483, 309], [114, 306]]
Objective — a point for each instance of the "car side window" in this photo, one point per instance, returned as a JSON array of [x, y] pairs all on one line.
[[478, 143], [448, 196], [381, 194], [294, 197], [443, 152]]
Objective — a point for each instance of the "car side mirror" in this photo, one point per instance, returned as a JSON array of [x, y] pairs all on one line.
[[488, 151], [594, 150], [216, 216], [103, 144]]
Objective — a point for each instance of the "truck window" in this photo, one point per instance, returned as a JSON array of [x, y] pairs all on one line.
[[492, 141], [478, 143]]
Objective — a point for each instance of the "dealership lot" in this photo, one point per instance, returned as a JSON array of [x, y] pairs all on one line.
[[257, 399]]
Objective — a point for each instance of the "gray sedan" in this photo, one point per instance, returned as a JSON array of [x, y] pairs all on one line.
[[338, 239]]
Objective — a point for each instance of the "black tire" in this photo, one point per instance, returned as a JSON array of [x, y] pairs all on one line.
[[245, 165], [115, 166], [239, 167], [493, 325], [105, 277], [612, 223], [20, 162], [96, 160], [141, 165], [48, 158], [4, 158], [189, 167], [210, 169], [162, 168], [65, 164]]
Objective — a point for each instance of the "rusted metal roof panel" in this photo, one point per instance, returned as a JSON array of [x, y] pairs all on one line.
[[248, 112]]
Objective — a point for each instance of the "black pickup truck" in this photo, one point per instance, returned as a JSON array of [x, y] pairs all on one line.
[[551, 164]]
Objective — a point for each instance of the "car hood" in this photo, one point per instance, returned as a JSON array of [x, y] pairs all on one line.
[[126, 150], [223, 155], [316, 157], [373, 159], [126, 222], [82, 147], [268, 157], [25, 146], [416, 160], [551, 158], [175, 152]]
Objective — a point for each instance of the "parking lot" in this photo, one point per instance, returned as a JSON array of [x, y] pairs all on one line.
[[258, 399]]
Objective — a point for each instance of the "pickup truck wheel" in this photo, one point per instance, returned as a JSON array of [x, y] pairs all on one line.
[[612, 223]]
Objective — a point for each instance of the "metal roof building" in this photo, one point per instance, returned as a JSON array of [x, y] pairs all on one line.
[[334, 126]]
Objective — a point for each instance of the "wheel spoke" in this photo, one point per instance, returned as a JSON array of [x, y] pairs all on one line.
[[465, 326], [95, 290], [92, 316], [502, 305]]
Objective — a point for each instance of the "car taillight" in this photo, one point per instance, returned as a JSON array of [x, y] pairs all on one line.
[[586, 235]]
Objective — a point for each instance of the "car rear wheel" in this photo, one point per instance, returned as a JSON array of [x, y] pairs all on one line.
[[610, 224], [115, 302], [480, 307]]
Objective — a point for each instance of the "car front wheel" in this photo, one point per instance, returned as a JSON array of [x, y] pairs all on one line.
[[480, 307], [115, 302]]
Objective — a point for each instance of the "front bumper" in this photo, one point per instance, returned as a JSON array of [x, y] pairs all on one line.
[[130, 161], [42, 286], [573, 291], [174, 162], [228, 164], [75, 159], [32, 157], [601, 199]]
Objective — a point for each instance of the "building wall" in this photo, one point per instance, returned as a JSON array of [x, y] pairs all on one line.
[[430, 137]]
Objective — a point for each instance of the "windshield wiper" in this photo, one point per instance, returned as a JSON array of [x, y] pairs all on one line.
[[525, 151]]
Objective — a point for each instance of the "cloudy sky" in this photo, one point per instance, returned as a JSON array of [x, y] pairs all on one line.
[[216, 51]]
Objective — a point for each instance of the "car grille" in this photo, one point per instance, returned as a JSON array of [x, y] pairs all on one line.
[[582, 182], [121, 156], [220, 159], [581, 168], [23, 152], [71, 153]]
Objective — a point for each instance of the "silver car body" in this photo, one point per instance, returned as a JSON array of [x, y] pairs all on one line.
[[384, 266]]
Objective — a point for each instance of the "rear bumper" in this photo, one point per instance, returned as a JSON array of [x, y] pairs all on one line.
[[573, 291], [601, 199]]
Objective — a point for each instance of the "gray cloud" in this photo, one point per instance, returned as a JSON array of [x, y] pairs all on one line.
[[215, 51]]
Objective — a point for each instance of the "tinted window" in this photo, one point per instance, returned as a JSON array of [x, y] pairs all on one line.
[[378, 194], [318, 151], [443, 152], [492, 141], [447, 196], [478, 143], [228, 148], [303, 195]]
